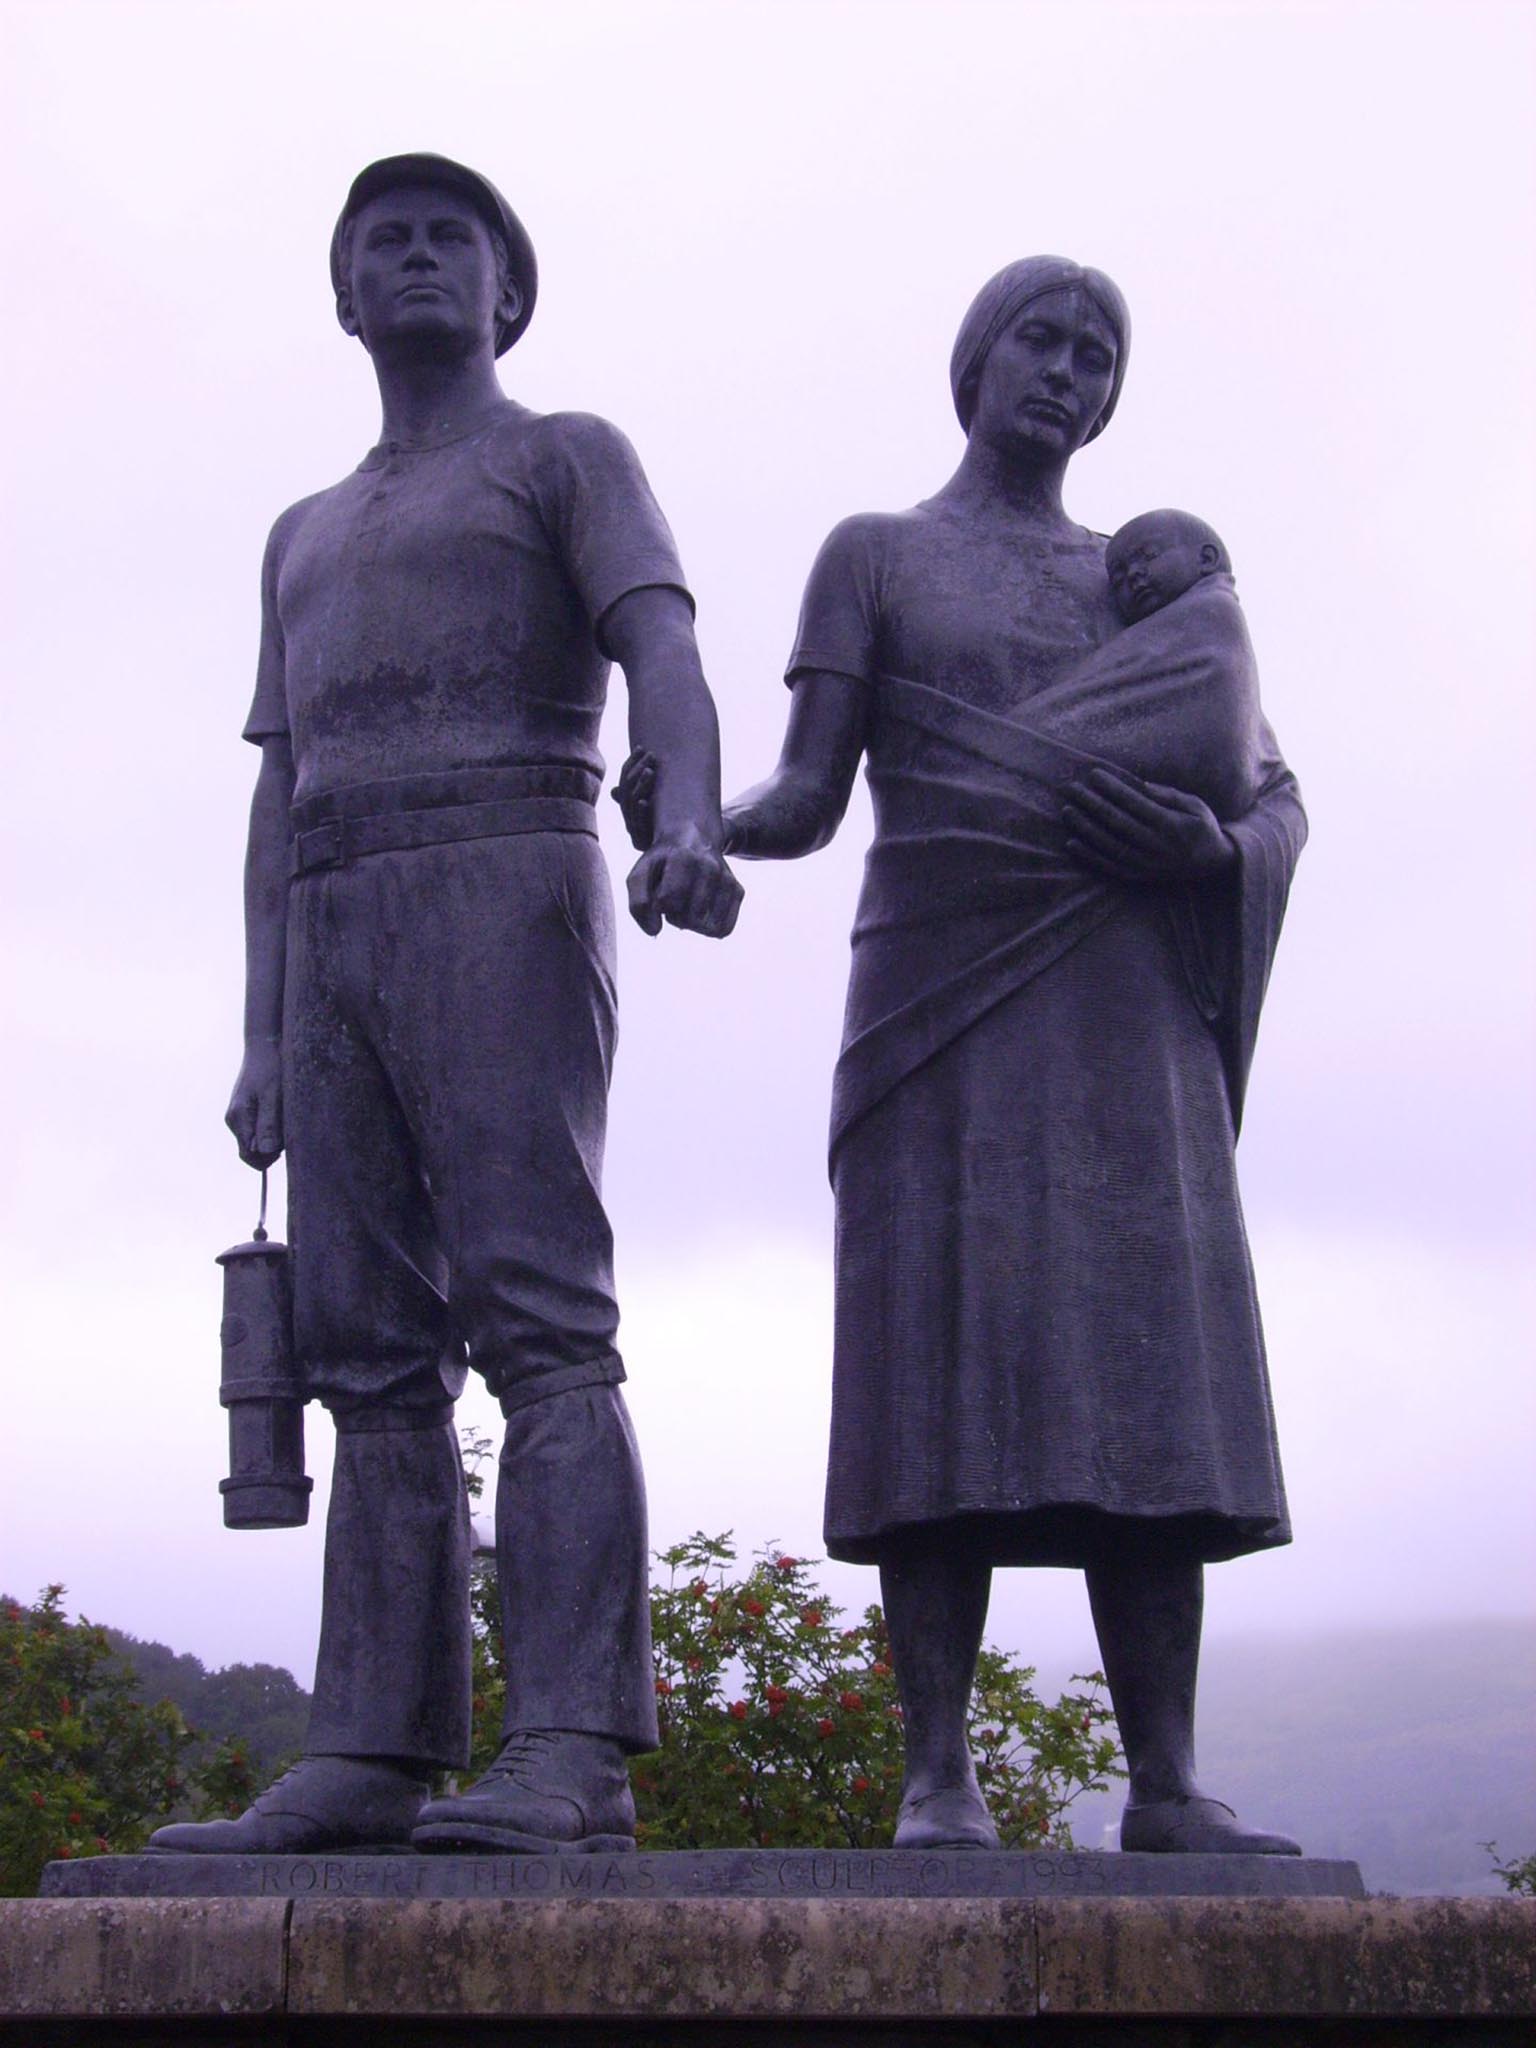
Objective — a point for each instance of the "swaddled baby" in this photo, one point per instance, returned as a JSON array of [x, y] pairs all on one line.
[[1156, 557], [1174, 696]]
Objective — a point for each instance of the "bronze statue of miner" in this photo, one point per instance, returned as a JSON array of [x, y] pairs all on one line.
[[430, 1030]]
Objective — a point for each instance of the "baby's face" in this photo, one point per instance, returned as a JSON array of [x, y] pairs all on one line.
[[1150, 563]]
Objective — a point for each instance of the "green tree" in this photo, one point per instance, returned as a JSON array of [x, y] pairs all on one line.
[[224, 1781], [85, 1766], [1518, 1874], [260, 1708]]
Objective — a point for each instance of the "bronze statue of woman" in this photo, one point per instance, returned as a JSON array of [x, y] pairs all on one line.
[[1048, 1347]]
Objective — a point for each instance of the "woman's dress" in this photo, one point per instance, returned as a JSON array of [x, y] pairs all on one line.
[[1046, 1320]]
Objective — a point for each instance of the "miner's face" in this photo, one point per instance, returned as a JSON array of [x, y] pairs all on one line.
[[424, 276]]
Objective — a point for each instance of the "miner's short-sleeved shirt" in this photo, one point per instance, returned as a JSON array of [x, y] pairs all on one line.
[[442, 607]]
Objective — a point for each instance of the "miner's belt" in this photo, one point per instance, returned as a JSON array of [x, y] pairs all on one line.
[[334, 842]]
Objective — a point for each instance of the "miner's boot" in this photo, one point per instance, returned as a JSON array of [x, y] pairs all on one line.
[[392, 1678], [571, 1563]]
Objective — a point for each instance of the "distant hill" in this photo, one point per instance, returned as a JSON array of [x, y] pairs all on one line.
[[262, 1703], [1402, 1749]]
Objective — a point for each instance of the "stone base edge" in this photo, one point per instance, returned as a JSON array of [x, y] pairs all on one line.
[[322, 1969], [862, 1874]]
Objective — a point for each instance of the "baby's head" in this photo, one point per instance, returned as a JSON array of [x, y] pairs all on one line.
[[1157, 557]]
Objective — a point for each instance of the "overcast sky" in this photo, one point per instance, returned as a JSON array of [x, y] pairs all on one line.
[[758, 227]]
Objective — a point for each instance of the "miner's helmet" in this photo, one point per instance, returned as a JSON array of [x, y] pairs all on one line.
[[422, 168]]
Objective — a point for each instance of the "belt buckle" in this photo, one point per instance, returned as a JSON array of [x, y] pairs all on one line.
[[326, 845]]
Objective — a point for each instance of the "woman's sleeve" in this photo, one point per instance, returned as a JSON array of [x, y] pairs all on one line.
[[839, 614], [1228, 930], [1269, 842]]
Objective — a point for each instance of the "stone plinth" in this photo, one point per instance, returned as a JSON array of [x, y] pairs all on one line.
[[816, 1972]]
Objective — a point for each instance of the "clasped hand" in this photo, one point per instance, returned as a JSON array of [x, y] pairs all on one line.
[[1143, 831], [683, 882]]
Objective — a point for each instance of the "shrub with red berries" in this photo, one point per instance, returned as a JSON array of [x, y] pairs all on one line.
[[781, 1730], [85, 1766]]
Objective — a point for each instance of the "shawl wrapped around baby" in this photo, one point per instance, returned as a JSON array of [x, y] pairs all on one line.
[[969, 892]]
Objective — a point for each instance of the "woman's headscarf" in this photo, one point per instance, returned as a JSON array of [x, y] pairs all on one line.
[[1004, 297]]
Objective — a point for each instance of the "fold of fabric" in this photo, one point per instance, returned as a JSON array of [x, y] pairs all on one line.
[[969, 893]]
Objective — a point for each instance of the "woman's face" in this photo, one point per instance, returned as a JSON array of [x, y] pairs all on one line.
[[1046, 378]]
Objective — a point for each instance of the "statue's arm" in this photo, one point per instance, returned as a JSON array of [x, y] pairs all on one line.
[[801, 804], [255, 1112], [681, 878]]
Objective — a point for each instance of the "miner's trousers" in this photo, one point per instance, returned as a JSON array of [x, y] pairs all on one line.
[[449, 1031]]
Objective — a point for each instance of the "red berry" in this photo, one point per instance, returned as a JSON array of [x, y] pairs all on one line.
[[851, 1702], [811, 1616], [861, 1784], [826, 1726], [775, 1693], [752, 1607], [738, 1710], [786, 1564], [662, 1687]]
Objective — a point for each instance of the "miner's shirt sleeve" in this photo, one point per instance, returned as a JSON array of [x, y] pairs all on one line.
[[603, 515], [269, 707]]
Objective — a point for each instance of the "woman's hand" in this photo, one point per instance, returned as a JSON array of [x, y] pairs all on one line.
[[634, 793], [1143, 831]]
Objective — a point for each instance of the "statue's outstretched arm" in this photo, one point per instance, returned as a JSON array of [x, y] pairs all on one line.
[[802, 802]]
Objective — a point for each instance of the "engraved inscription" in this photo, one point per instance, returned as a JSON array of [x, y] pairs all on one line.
[[719, 1873], [705, 1874]]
